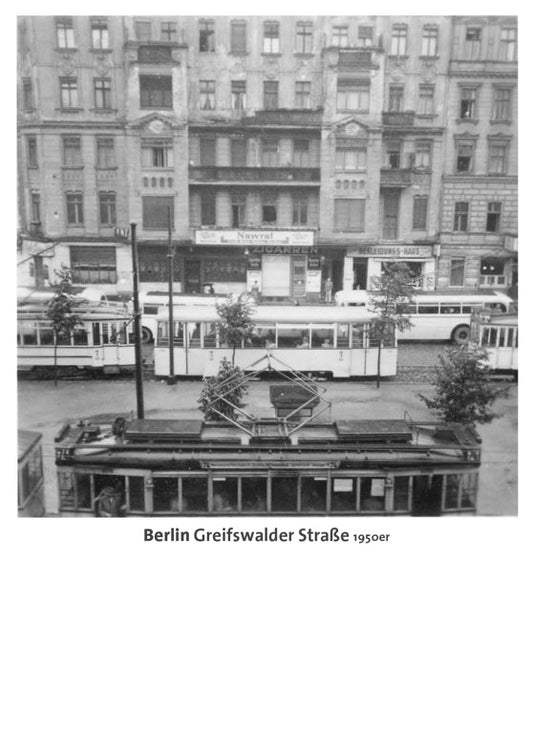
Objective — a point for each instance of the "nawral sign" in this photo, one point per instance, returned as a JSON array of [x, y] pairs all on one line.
[[254, 237]]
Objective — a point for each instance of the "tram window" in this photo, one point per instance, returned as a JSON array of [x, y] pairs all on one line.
[[84, 492], [136, 493], [451, 494], [253, 494], [510, 333], [29, 332], [210, 334], [358, 334], [162, 332], [262, 335], [79, 336], [401, 493], [293, 338], [324, 338], [150, 310], [427, 495], [313, 494], [466, 308], [65, 482], [428, 309], [485, 336], [46, 334], [178, 333], [109, 494], [225, 494], [446, 308], [493, 336], [194, 494], [343, 336], [284, 494], [105, 333], [32, 472], [96, 334], [501, 341], [343, 494], [166, 495], [372, 495], [469, 491], [193, 330]]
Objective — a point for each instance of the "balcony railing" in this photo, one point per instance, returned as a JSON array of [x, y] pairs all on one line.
[[255, 174], [349, 59], [391, 178], [398, 118], [285, 117]]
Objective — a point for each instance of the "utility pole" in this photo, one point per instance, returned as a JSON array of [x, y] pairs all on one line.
[[137, 326], [170, 256]]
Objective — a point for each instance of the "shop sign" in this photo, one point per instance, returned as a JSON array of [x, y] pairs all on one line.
[[394, 251], [254, 237], [282, 250]]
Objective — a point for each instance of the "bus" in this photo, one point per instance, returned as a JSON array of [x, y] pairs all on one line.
[[30, 474], [498, 335], [169, 468], [102, 344], [436, 315], [151, 301], [330, 341]]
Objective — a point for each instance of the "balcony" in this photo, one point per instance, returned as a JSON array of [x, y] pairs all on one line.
[[255, 175], [285, 117], [398, 119], [354, 59], [400, 178]]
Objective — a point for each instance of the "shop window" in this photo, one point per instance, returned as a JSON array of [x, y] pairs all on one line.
[[501, 108], [395, 98], [224, 270], [238, 37], [206, 30], [430, 37], [457, 272], [494, 211], [420, 212], [304, 37], [271, 41], [102, 93], [155, 92], [270, 95], [349, 214], [339, 36], [153, 265], [156, 211], [365, 35], [467, 106], [399, 40], [238, 95], [302, 95], [207, 95], [65, 33], [74, 207], [353, 95], [426, 99], [460, 218], [105, 152], [68, 92], [492, 273], [472, 43], [93, 265]]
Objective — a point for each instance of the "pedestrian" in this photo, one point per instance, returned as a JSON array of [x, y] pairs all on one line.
[[255, 292], [210, 290], [328, 289]]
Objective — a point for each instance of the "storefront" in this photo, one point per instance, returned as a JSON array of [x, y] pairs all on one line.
[[365, 263]]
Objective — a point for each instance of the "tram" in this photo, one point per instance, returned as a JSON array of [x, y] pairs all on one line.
[[101, 345], [30, 474], [267, 467], [331, 341], [498, 335]]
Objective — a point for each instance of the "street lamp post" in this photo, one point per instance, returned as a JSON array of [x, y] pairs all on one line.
[[137, 325], [170, 256]]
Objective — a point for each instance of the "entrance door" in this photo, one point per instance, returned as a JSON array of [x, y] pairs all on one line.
[[276, 276], [192, 281], [391, 208], [360, 273], [299, 272]]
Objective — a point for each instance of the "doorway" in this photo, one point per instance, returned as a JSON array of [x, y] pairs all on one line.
[[193, 275]]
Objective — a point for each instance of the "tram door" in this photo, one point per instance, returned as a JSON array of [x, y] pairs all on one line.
[[427, 495]]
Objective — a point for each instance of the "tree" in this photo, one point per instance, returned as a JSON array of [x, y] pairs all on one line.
[[61, 312], [235, 324], [225, 392], [390, 297], [462, 392]]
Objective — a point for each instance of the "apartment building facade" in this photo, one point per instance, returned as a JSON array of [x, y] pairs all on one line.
[[283, 151]]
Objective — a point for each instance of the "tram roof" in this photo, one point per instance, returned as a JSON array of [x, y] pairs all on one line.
[[88, 312], [278, 314]]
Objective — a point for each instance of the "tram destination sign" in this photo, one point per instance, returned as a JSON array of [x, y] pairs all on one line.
[[255, 237]]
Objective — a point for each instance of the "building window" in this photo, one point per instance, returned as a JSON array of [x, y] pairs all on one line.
[[423, 155], [69, 92], [99, 34], [460, 217], [238, 37], [207, 35], [350, 158], [65, 33], [465, 157], [208, 151], [143, 31], [508, 44], [304, 37], [365, 35], [72, 151], [269, 210], [430, 37], [301, 152], [238, 95], [92, 265], [269, 152], [270, 95], [169, 31], [302, 95], [472, 43], [158, 154], [156, 212], [208, 208], [426, 94], [74, 208], [395, 98], [156, 92], [271, 44], [497, 158], [35, 207], [31, 148], [102, 93], [108, 208], [27, 94], [105, 152], [207, 95], [349, 214], [420, 212], [399, 40], [353, 95], [393, 154], [467, 109], [300, 210], [457, 272], [238, 211], [339, 36], [239, 149], [492, 272], [494, 211], [501, 109]]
